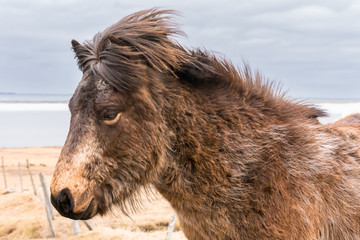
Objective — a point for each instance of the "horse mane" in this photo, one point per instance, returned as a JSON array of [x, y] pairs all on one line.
[[121, 54], [218, 73]]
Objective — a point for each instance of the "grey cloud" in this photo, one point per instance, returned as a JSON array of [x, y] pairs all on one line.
[[311, 47]]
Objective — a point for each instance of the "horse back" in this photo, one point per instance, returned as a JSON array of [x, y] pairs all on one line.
[[353, 119], [349, 128]]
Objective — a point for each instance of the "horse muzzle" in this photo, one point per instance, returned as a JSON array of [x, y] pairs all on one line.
[[65, 204]]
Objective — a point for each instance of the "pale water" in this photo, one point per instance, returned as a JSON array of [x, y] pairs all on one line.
[[43, 120], [32, 120]]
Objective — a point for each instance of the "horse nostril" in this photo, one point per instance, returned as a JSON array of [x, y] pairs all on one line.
[[65, 201], [64, 204]]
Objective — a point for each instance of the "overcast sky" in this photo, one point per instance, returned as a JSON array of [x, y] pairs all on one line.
[[311, 47]]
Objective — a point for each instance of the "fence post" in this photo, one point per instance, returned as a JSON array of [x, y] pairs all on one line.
[[31, 178], [3, 169], [171, 227], [20, 176], [48, 209], [76, 227], [46, 195], [89, 225]]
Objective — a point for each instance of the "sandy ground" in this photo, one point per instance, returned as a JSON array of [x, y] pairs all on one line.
[[23, 215]]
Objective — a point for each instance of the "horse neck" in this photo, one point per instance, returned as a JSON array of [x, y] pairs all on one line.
[[199, 127]]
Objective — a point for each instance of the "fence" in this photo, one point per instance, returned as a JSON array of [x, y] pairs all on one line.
[[47, 205]]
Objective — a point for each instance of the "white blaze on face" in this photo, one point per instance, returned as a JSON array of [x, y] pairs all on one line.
[[71, 170], [87, 148]]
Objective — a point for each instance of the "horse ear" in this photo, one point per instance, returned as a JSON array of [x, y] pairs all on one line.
[[81, 53], [75, 44]]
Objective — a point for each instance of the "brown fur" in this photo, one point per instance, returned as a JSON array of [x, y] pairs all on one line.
[[351, 119], [233, 156]]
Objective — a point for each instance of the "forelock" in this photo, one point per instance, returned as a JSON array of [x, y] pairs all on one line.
[[121, 53]]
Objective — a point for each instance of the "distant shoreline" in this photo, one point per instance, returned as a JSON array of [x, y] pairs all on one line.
[[12, 98], [335, 101]]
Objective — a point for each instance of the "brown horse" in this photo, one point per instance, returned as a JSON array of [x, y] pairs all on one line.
[[233, 156]]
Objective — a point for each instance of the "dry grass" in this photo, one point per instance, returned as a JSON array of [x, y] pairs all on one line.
[[23, 215]]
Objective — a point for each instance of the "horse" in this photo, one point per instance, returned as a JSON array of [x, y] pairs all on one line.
[[234, 156]]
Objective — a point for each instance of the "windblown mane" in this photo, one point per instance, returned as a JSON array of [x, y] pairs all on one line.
[[121, 54]]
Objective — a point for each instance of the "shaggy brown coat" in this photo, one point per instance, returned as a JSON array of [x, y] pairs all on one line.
[[233, 156]]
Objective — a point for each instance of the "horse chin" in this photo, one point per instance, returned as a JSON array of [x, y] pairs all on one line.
[[91, 211]]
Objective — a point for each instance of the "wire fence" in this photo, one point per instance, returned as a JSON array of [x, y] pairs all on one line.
[[45, 198]]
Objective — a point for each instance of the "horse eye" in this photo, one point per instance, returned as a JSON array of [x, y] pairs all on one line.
[[110, 117]]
